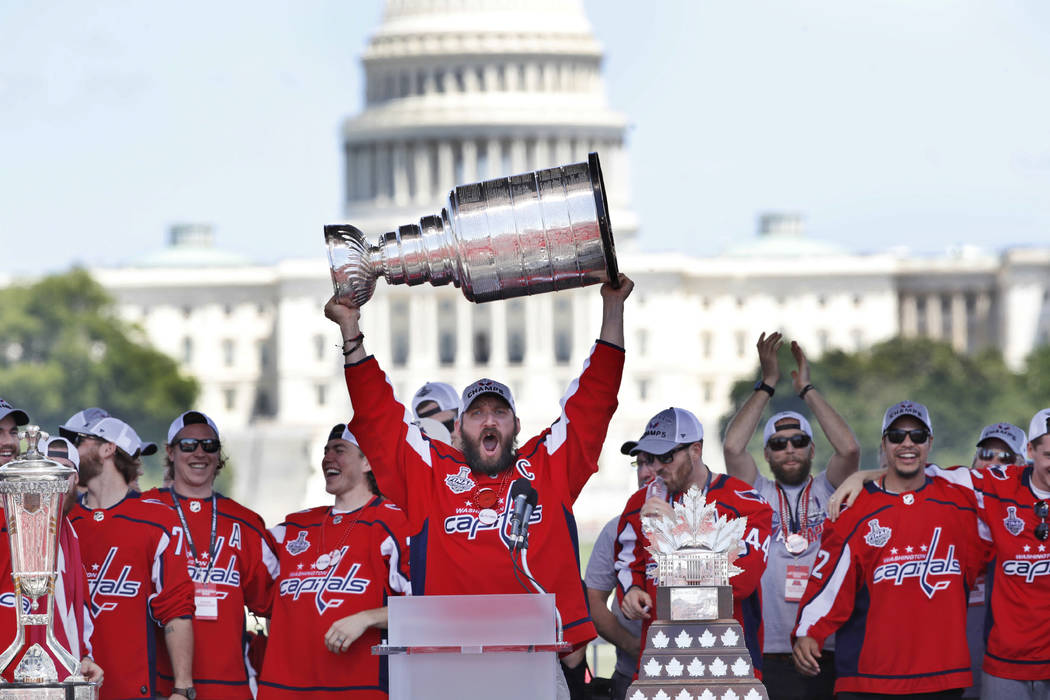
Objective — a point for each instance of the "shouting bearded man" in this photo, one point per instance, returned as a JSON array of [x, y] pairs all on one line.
[[457, 502]]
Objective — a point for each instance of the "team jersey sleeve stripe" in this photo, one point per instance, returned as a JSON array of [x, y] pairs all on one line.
[[628, 540], [389, 548], [824, 601]]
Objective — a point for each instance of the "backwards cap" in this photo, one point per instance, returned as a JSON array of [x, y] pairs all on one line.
[[771, 424], [60, 447], [1013, 436], [119, 433], [444, 395], [906, 408], [340, 432], [488, 386], [79, 422], [6, 409], [667, 429], [190, 418], [1040, 425]]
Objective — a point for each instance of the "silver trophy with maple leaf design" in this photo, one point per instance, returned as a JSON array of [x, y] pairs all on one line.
[[32, 488], [695, 650]]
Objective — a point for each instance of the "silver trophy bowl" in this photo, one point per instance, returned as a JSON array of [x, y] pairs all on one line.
[[31, 490], [526, 234]]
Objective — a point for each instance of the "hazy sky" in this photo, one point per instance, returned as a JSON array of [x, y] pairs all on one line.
[[885, 123]]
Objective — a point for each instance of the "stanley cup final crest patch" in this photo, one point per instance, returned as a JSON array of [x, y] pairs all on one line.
[[877, 535], [1014, 525], [461, 482], [299, 545]]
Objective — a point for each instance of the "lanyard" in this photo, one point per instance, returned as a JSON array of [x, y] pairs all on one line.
[[788, 524], [189, 536]]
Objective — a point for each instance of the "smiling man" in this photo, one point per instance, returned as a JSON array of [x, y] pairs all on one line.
[[228, 553], [10, 420], [457, 502], [799, 499], [892, 576]]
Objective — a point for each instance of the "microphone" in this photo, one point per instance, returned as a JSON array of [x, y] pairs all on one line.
[[519, 495], [530, 503]]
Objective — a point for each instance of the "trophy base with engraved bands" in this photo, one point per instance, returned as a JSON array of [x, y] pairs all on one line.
[[695, 650]]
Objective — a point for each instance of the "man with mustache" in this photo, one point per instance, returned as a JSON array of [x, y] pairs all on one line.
[[457, 502], [799, 501]]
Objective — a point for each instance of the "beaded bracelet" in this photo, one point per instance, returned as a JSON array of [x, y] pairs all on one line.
[[356, 340]]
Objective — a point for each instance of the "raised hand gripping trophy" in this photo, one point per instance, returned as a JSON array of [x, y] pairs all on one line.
[[32, 488], [526, 234], [695, 649]]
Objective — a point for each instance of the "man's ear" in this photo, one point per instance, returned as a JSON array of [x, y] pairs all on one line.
[[517, 426], [106, 450]]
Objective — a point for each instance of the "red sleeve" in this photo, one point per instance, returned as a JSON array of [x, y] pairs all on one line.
[[757, 537], [833, 582], [260, 568], [575, 439], [392, 549], [172, 588], [632, 558], [399, 453]]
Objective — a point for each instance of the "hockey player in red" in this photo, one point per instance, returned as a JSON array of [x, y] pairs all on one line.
[[457, 503], [229, 555], [673, 443], [892, 577], [338, 565], [136, 576], [72, 627]]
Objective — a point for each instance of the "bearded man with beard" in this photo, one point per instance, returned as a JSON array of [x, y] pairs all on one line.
[[799, 501], [457, 501]]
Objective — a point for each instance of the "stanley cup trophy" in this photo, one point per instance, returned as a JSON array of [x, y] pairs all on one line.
[[527, 234], [32, 488], [695, 649]]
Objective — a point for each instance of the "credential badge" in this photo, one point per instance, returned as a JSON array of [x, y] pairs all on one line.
[[299, 545], [1014, 525], [461, 482], [877, 536]]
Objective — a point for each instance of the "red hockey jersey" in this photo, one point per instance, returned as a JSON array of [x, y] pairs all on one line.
[[241, 574], [1018, 639], [734, 499], [891, 580], [72, 624], [135, 580], [372, 565], [453, 551]]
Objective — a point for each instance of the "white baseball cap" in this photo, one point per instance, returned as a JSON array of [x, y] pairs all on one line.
[[6, 409], [488, 386], [119, 433], [444, 395], [665, 431], [771, 424], [1013, 436], [60, 447], [79, 421], [1040, 425], [340, 432], [190, 418], [906, 408]]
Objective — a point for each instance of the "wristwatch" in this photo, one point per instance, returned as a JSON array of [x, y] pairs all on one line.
[[189, 693], [762, 386]]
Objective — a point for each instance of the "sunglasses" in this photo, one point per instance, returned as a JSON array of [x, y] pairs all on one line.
[[897, 435], [1042, 530], [81, 437], [779, 443], [989, 455], [209, 445], [644, 460]]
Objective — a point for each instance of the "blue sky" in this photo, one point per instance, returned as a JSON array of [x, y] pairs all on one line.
[[885, 123]]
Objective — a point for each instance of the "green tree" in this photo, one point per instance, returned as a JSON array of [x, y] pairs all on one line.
[[63, 348], [963, 393]]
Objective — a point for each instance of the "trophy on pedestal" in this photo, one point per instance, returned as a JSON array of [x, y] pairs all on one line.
[[695, 650], [527, 234], [31, 489]]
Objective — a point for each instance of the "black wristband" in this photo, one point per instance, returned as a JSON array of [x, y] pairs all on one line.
[[805, 390], [762, 386]]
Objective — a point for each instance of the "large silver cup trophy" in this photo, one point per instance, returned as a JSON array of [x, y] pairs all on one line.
[[31, 489], [527, 234]]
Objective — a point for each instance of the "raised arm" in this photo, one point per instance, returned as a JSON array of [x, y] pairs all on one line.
[[344, 314], [846, 459], [612, 310], [739, 462]]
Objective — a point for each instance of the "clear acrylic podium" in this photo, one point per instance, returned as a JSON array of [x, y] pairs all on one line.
[[459, 647]]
